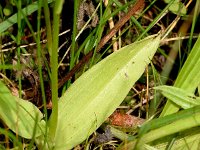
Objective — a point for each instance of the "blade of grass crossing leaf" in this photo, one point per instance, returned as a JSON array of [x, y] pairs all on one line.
[[99, 91], [175, 127], [167, 125], [186, 142], [159, 122]]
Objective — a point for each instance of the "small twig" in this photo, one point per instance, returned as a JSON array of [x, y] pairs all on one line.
[[133, 10], [111, 25], [136, 7], [26, 45], [177, 38]]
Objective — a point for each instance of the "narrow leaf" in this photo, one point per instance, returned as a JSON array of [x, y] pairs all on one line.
[[179, 96], [188, 78], [20, 115], [99, 91], [13, 19]]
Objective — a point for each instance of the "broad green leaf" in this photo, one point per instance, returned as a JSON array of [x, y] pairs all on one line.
[[13, 19], [20, 115], [99, 91], [188, 78], [179, 96]]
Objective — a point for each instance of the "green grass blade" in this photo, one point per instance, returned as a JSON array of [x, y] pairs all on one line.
[[54, 68], [188, 78], [99, 91], [174, 127], [165, 126], [184, 141]]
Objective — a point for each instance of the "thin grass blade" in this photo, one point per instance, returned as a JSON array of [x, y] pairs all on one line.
[[188, 78], [159, 128]]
